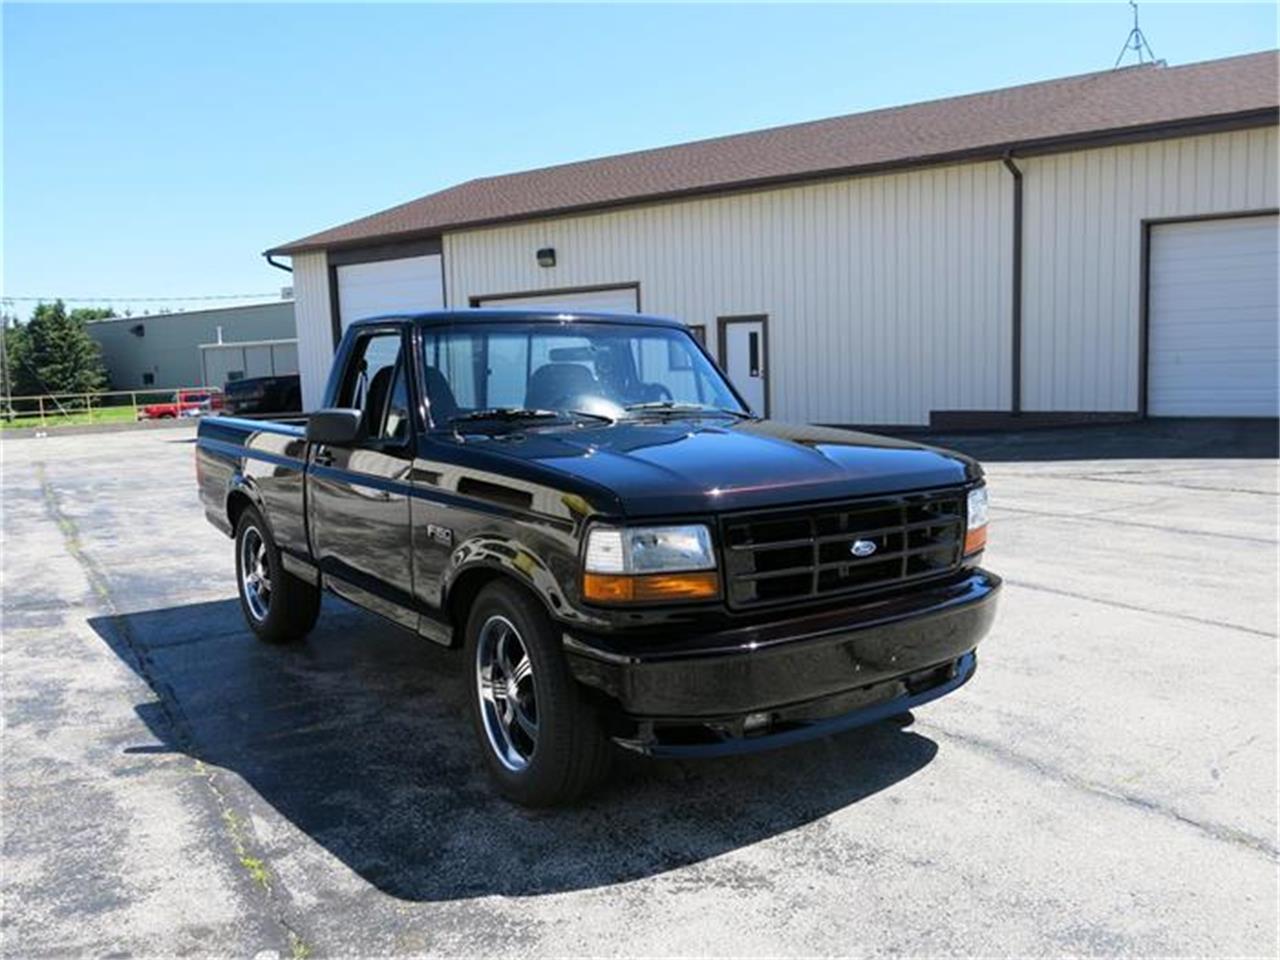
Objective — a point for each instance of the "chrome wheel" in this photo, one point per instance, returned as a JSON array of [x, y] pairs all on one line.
[[255, 574], [504, 682]]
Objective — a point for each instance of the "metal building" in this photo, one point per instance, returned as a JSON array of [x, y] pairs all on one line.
[[1094, 247], [164, 350]]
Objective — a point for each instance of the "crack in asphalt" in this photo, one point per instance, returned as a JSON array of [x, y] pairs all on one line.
[[1216, 831], [1148, 482], [1189, 618], [175, 718], [1100, 517], [1190, 466], [1182, 486]]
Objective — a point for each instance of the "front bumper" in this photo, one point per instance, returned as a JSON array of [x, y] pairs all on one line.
[[770, 684]]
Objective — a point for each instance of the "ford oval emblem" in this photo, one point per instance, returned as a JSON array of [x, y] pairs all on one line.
[[863, 548]]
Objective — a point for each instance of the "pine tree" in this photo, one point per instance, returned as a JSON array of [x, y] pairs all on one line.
[[60, 356], [14, 353]]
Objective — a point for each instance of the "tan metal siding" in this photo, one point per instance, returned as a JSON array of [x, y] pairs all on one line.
[[1083, 246], [887, 296], [315, 325]]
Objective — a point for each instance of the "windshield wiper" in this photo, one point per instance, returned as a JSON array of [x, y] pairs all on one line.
[[512, 414], [671, 406]]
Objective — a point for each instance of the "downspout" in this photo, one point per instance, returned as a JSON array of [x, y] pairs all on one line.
[[1016, 312], [278, 266]]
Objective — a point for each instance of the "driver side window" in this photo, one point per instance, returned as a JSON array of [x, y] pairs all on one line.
[[377, 385]]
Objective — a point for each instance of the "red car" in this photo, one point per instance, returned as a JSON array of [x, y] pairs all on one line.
[[186, 403]]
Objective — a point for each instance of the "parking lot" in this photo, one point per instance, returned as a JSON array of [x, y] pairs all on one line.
[[1105, 785]]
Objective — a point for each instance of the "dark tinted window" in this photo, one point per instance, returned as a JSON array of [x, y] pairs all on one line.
[[395, 422], [376, 385]]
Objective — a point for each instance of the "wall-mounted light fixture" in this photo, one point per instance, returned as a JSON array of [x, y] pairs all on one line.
[[547, 257]]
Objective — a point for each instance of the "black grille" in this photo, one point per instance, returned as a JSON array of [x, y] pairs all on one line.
[[783, 556]]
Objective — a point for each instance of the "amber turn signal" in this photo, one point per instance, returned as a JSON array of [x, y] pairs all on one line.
[[650, 587], [975, 540]]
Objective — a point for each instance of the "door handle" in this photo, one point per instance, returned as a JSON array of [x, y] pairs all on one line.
[[324, 457]]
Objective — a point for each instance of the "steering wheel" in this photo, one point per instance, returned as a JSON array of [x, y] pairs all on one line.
[[658, 391], [564, 401]]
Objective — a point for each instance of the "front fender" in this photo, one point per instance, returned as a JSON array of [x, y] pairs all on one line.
[[514, 559]]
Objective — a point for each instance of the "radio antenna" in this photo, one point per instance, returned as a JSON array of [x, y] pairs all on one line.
[[1136, 41]]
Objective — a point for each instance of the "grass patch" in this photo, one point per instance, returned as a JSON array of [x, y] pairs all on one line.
[[257, 871], [76, 418]]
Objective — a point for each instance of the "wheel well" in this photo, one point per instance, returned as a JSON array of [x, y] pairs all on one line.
[[237, 503], [463, 593]]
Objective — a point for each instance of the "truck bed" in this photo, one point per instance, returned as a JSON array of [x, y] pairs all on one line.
[[263, 461]]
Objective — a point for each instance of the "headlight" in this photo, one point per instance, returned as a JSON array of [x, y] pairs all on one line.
[[976, 535], [649, 564]]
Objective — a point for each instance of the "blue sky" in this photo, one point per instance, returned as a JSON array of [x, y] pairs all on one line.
[[156, 150]]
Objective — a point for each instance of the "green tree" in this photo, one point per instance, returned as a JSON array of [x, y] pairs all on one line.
[[92, 313], [15, 353], [58, 355]]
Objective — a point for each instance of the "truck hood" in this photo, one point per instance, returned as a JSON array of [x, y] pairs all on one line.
[[671, 467]]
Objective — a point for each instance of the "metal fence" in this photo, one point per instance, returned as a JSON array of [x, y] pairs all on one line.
[[68, 409]]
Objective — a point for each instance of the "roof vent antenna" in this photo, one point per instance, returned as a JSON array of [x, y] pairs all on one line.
[[1136, 41]]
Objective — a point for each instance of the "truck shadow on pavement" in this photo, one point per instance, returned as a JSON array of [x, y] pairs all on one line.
[[360, 738]]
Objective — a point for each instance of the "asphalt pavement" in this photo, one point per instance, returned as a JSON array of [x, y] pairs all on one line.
[[1106, 784]]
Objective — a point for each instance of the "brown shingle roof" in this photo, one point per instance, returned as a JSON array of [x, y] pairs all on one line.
[[1055, 112]]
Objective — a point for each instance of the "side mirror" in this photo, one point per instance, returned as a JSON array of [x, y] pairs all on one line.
[[337, 428]]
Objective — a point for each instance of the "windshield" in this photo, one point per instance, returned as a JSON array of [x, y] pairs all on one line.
[[572, 369]]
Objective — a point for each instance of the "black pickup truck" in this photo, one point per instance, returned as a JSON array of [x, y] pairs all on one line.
[[625, 553]]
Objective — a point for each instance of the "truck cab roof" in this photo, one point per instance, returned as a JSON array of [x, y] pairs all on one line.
[[432, 318]]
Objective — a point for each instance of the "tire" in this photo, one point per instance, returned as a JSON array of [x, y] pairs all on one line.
[[286, 610], [568, 753]]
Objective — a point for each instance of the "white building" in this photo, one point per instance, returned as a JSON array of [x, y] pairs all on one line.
[[195, 348], [1101, 246]]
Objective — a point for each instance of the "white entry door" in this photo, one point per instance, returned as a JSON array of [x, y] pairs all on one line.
[[1213, 312], [744, 349]]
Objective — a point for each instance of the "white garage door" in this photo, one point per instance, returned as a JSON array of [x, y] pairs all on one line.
[[1214, 317], [284, 358], [408, 285], [614, 300]]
